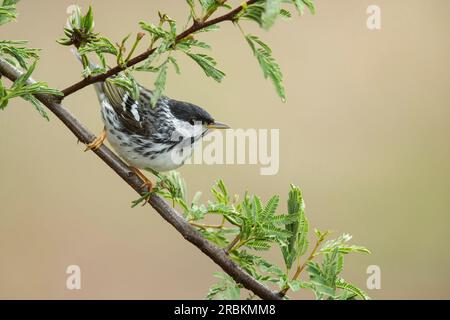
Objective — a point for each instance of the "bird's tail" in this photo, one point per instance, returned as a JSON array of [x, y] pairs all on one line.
[[98, 85]]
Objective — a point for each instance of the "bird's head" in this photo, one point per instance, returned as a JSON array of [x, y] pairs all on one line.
[[193, 119]]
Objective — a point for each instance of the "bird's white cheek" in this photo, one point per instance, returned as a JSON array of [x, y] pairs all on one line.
[[186, 130]]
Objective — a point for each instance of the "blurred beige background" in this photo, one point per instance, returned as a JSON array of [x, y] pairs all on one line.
[[364, 133]]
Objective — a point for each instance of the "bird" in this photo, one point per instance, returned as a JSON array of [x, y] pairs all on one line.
[[160, 137]]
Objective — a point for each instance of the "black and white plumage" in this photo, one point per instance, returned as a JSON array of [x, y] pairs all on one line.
[[160, 137]]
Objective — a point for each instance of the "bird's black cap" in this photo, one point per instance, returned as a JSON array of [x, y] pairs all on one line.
[[189, 112]]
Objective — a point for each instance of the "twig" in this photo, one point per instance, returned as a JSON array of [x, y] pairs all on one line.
[[233, 243], [196, 26], [205, 226], [218, 255]]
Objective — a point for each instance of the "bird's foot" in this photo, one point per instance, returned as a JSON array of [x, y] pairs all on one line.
[[147, 185], [97, 142]]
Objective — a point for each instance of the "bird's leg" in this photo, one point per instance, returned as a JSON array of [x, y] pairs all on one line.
[[147, 183], [97, 143]]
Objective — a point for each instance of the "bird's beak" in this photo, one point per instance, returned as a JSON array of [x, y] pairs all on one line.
[[217, 125]]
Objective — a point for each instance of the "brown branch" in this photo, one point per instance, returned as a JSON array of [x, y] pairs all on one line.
[[217, 254], [196, 26]]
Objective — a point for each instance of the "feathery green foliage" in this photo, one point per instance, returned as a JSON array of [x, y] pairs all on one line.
[[80, 33], [20, 88], [269, 66], [249, 226], [298, 242], [127, 82], [208, 64], [160, 82], [15, 52], [162, 38], [8, 11], [226, 289]]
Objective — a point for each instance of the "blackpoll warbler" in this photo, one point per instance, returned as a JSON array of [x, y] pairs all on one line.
[[160, 138]]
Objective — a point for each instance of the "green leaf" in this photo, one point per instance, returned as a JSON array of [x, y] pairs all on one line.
[[20, 82], [10, 2], [321, 235], [3, 96], [285, 13], [21, 88], [88, 20], [257, 229], [253, 12], [345, 249], [330, 266], [187, 43], [351, 288], [175, 64], [102, 45], [127, 82], [216, 236], [300, 5], [269, 66], [271, 12], [258, 245], [155, 32], [341, 243], [140, 200], [276, 233], [296, 285], [160, 83], [295, 200], [221, 193], [147, 64], [271, 206], [80, 29], [213, 27], [257, 209], [208, 64], [226, 289], [320, 284], [210, 6], [302, 240], [310, 5], [8, 11], [16, 50], [285, 219], [268, 267], [191, 4], [298, 241], [174, 185], [37, 105], [257, 12], [207, 4]]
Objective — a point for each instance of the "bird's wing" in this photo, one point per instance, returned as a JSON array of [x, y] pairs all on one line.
[[136, 116]]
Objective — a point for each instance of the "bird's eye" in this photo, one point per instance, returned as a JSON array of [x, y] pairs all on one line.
[[192, 121]]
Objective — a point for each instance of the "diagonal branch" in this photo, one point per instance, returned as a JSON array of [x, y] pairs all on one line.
[[198, 25], [217, 254]]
